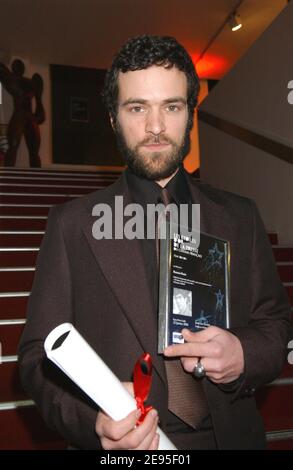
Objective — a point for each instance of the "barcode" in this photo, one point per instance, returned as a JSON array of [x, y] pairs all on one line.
[[177, 337]]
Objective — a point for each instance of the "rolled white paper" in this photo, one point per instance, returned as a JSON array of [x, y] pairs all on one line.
[[81, 363]]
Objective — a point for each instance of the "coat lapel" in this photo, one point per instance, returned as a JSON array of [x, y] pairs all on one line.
[[122, 263], [214, 219]]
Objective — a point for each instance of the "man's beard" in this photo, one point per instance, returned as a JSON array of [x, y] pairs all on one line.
[[154, 165]]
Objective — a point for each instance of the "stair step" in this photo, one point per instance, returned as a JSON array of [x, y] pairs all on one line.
[[282, 444], [16, 281], [41, 199], [29, 190], [20, 200], [62, 173], [27, 210], [283, 253], [285, 271], [13, 305], [287, 371], [11, 388], [10, 336], [23, 239], [32, 433], [18, 258], [273, 237], [276, 406], [56, 180], [289, 289], [22, 223]]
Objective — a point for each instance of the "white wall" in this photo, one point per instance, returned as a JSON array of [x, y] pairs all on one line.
[[235, 166], [254, 95]]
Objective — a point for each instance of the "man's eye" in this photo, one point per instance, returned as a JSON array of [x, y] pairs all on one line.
[[137, 109], [173, 107]]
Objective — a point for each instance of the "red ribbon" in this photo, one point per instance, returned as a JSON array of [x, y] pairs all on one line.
[[142, 379]]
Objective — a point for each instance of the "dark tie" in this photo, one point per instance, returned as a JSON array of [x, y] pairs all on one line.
[[186, 396]]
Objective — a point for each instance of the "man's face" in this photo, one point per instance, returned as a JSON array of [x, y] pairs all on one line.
[[181, 302], [152, 120]]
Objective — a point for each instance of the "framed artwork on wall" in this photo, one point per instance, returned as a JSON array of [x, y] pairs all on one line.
[[79, 109], [81, 128]]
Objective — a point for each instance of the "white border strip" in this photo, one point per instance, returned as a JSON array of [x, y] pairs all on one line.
[[24, 205], [8, 359], [12, 269], [42, 194], [12, 405], [41, 178], [281, 435], [30, 217], [14, 294], [15, 321], [282, 381], [59, 171], [48, 186], [20, 249], [22, 232]]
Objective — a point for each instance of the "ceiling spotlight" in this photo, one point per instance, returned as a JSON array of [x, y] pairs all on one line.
[[235, 22]]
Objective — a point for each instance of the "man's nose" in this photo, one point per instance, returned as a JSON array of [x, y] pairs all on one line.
[[155, 123]]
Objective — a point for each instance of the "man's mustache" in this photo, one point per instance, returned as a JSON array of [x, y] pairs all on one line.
[[156, 140]]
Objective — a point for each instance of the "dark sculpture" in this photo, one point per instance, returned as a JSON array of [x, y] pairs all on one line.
[[24, 121]]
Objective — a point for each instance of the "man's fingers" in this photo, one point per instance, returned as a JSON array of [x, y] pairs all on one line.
[[155, 442], [212, 348], [116, 430], [188, 350], [212, 366], [134, 438], [148, 439], [201, 336], [124, 435], [221, 354]]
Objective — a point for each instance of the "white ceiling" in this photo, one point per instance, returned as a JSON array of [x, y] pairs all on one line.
[[88, 32]]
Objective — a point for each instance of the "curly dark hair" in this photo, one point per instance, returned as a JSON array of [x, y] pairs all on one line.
[[142, 52]]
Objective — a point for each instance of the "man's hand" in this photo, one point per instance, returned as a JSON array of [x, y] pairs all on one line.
[[123, 434], [219, 351]]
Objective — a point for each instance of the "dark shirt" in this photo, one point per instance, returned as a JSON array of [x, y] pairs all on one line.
[[148, 192], [145, 192]]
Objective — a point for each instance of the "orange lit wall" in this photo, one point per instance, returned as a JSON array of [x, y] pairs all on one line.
[[211, 66], [192, 161]]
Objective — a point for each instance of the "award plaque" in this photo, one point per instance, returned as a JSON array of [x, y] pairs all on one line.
[[193, 284]]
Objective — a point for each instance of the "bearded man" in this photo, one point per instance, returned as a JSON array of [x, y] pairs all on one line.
[[108, 288]]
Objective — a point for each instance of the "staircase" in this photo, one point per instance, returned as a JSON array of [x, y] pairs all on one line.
[[275, 400], [25, 199]]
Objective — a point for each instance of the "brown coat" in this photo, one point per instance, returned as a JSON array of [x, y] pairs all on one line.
[[101, 287]]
